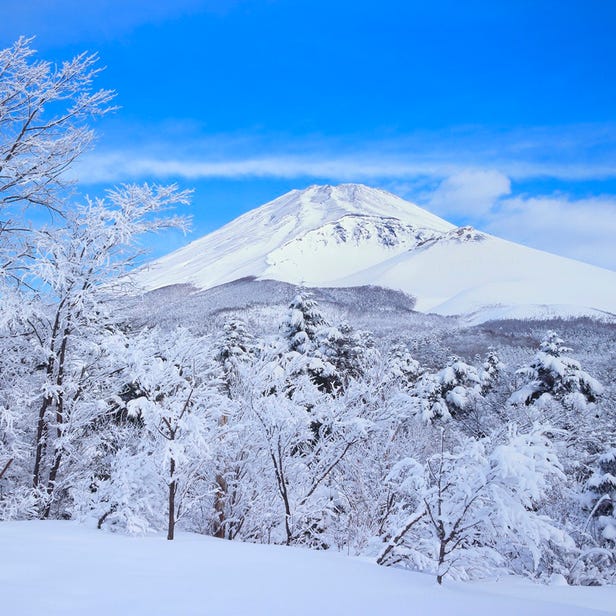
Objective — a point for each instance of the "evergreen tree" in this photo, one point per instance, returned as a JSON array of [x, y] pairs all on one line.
[[492, 371], [402, 367], [552, 375], [348, 351], [451, 392], [602, 491], [234, 350], [302, 324], [234, 346]]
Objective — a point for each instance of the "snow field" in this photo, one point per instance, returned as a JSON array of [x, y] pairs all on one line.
[[62, 568]]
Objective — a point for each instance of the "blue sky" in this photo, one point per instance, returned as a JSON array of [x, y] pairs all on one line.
[[498, 114]]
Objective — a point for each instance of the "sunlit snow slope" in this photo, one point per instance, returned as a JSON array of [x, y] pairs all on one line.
[[351, 235], [58, 568]]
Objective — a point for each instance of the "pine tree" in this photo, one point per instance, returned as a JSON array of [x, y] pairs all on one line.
[[234, 346], [492, 371], [303, 322], [234, 349], [601, 488], [552, 375], [402, 367], [450, 392], [348, 351]]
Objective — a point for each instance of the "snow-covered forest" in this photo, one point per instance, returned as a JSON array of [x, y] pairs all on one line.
[[281, 426]]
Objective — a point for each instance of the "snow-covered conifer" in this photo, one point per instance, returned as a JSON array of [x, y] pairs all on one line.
[[450, 392], [601, 488], [552, 375], [402, 367], [302, 323], [234, 348], [492, 370], [350, 352]]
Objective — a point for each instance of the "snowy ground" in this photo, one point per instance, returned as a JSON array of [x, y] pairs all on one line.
[[63, 568]]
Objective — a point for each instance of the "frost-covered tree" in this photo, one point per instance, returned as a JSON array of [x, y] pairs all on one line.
[[18, 364], [304, 435], [75, 267], [174, 405], [45, 110], [369, 498], [467, 505], [553, 375], [601, 494]]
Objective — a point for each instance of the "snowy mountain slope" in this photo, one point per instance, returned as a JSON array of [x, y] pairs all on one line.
[[486, 273], [295, 228], [352, 235], [62, 568]]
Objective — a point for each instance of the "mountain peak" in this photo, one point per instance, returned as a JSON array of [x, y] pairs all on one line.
[[354, 235], [302, 236], [320, 204]]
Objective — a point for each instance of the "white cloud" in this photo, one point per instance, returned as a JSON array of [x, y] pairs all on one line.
[[117, 167], [471, 193], [184, 150], [113, 167], [583, 229]]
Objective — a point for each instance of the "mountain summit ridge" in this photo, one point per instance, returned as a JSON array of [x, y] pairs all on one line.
[[354, 235]]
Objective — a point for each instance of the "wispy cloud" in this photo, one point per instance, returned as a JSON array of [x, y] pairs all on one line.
[[572, 153], [121, 167], [126, 166]]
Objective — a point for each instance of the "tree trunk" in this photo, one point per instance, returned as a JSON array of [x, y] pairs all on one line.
[[53, 474], [171, 504], [441, 560], [60, 419], [6, 467], [219, 505], [41, 427], [40, 442], [221, 491]]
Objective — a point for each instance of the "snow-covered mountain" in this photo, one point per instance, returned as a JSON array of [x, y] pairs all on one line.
[[351, 235]]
